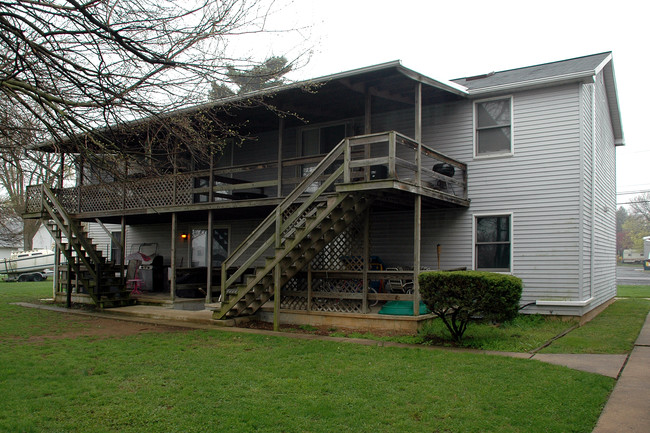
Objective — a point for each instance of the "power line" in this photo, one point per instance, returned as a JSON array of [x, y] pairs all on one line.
[[641, 191]]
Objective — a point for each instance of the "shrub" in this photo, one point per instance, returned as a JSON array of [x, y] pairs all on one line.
[[457, 297]]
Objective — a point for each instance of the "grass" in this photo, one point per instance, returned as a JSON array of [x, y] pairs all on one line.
[[198, 381], [612, 331], [633, 291], [523, 334]]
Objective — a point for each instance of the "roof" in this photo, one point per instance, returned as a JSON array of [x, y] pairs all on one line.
[[394, 84], [579, 69]]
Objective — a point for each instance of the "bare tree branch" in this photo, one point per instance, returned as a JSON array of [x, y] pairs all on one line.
[[84, 71]]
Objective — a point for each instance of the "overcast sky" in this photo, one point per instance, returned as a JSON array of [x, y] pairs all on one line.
[[446, 40]]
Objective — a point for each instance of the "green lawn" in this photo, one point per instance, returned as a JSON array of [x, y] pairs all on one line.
[[633, 291], [612, 331], [197, 381], [523, 334]]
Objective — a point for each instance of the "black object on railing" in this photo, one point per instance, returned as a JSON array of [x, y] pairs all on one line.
[[444, 169]]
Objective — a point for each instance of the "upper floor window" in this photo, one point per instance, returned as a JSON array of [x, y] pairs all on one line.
[[493, 124], [493, 243]]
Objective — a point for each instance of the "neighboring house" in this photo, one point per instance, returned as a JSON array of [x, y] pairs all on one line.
[[6, 249], [511, 171]]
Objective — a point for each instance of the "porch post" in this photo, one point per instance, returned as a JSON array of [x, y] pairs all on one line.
[[61, 170], [280, 143], [367, 119], [57, 264], [277, 272], [68, 294], [172, 285], [81, 170], [366, 259], [366, 130], [418, 112], [417, 233], [208, 279], [417, 210], [123, 246], [211, 179]]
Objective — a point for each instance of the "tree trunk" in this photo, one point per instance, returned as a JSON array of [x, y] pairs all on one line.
[[29, 230]]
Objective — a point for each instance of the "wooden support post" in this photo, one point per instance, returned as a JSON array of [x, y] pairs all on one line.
[[123, 247], [366, 259], [68, 294], [208, 278], [57, 264], [277, 275], [280, 143], [126, 177], [417, 239], [392, 155], [366, 130], [277, 272], [175, 182], [367, 117], [61, 170], [417, 211], [418, 112], [309, 286], [346, 161], [224, 278], [211, 179], [81, 170], [172, 285], [418, 133]]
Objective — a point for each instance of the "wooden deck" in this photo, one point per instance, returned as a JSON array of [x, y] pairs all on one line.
[[388, 163]]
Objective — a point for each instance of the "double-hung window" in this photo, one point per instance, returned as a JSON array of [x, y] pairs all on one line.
[[493, 127], [493, 243]]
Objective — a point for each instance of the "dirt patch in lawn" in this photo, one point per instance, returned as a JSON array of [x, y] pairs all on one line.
[[318, 330], [98, 327]]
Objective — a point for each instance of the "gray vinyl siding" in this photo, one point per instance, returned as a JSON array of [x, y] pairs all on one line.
[[604, 247], [102, 239], [540, 185], [161, 235]]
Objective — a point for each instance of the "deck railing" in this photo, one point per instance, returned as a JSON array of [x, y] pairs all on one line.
[[380, 156]]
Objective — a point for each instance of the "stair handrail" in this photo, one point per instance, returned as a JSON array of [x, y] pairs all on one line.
[[47, 192], [325, 163]]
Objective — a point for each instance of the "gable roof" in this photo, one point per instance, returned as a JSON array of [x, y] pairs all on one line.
[[570, 69], [579, 69]]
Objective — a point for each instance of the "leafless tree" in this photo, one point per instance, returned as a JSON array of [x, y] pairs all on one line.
[[85, 71], [640, 206], [21, 166]]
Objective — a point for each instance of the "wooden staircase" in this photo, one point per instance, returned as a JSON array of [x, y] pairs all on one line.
[[101, 279], [301, 243], [300, 232]]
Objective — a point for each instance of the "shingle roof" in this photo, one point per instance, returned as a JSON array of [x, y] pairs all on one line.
[[562, 68]]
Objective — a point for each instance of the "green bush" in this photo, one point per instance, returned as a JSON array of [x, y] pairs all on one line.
[[457, 297]]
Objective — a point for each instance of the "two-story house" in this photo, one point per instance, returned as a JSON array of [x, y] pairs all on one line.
[[382, 172]]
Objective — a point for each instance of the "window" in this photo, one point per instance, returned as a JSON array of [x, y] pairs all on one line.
[[317, 141], [493, 243], [493, 122], [199, 244]]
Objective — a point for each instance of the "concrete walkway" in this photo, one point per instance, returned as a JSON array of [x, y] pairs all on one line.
[[627, 411], [628, 408]]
